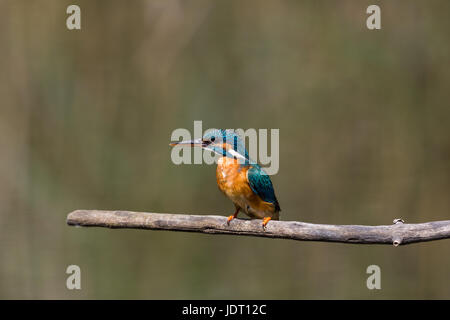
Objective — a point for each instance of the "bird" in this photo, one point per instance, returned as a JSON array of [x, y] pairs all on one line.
[[242, 180]]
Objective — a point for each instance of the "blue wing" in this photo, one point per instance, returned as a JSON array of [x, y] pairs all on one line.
[[260, 183]]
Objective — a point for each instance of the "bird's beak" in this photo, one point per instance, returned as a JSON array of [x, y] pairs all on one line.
[[192, 143]]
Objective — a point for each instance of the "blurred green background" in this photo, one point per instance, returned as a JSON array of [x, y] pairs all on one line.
[[86, 118]]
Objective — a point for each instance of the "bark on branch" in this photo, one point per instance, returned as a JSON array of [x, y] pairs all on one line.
[[396, 234]]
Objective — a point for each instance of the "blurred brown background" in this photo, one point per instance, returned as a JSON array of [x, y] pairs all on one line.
[[86, 117]]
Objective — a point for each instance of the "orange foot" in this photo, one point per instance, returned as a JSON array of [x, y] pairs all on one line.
[[265, 221], [233, 216], [230, 218]]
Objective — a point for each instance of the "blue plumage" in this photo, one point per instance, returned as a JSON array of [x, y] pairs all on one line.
[[262, 185], [219, 136]]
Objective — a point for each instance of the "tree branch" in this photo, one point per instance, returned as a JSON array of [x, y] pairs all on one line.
[[396, 234]]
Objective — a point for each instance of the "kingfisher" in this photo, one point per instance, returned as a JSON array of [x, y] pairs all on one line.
[[242, 180]]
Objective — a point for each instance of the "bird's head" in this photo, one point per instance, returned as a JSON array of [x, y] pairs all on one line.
[[226, 143]]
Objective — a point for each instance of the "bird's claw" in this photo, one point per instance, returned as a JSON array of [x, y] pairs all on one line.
[[229, 219], [265, 221]]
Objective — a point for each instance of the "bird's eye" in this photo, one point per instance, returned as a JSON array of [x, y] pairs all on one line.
[[213, 139]]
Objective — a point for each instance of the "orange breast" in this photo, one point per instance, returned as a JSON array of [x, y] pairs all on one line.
[[232, 181], [232, 178]]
